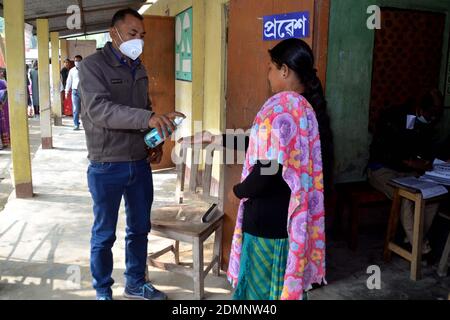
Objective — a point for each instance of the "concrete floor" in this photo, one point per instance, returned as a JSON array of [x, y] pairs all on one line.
[[44, 241]]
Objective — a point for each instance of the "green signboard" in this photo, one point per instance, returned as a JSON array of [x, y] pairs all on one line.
[[183, 45]]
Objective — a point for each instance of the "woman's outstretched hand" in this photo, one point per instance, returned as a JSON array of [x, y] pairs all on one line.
[[200, 137]]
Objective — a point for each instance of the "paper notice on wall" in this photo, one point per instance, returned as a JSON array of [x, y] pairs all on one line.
[[183, 45], [187, 66]]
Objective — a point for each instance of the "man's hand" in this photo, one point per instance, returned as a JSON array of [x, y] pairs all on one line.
[[67, 95], [155, 155], [163, 123]]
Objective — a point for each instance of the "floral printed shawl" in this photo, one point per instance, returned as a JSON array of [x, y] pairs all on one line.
[[286, 130]]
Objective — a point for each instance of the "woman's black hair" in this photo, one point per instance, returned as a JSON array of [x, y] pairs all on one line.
[[297, 55]]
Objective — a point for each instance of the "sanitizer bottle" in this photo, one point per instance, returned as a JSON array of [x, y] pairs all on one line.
[[153, 139]]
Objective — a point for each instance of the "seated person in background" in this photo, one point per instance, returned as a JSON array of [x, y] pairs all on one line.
[[402, 147]]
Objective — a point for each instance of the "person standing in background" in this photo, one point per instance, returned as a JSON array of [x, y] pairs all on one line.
[[64, 75], [2, 79], [4, 115], [72, 84], [27, 77], [35, 87], [3, 74], [65, 72]]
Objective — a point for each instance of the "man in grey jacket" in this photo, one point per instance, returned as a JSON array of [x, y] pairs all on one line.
[[116, 113]]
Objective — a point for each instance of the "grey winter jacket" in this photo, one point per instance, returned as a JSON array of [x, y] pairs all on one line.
[[115, 107]]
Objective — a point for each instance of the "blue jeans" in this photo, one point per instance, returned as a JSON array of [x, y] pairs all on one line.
[[108, 182], [76, 107]]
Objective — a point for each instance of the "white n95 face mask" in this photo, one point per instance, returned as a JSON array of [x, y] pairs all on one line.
[[131, 48]]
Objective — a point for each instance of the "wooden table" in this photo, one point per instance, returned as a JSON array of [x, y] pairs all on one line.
[[415, 257]]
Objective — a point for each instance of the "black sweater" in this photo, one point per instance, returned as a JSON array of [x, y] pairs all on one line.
[[266, 211]]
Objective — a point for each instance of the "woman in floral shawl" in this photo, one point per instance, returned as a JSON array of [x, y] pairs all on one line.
[[278, 249], [4, 115]]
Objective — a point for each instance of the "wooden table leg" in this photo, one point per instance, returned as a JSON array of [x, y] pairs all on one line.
[[392, 224], [416, 263], [443, 264]]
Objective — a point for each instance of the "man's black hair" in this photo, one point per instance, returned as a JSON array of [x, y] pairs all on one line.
[[79, 57], [121, 14]]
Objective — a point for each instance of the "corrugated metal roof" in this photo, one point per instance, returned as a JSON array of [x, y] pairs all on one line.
[[95, 15]]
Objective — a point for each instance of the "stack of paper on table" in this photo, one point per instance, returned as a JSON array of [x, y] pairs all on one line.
[[427, 188], [440, 173]]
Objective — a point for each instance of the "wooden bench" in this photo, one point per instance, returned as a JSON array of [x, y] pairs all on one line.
[[415, 256], [355, 197], [182, 221]]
